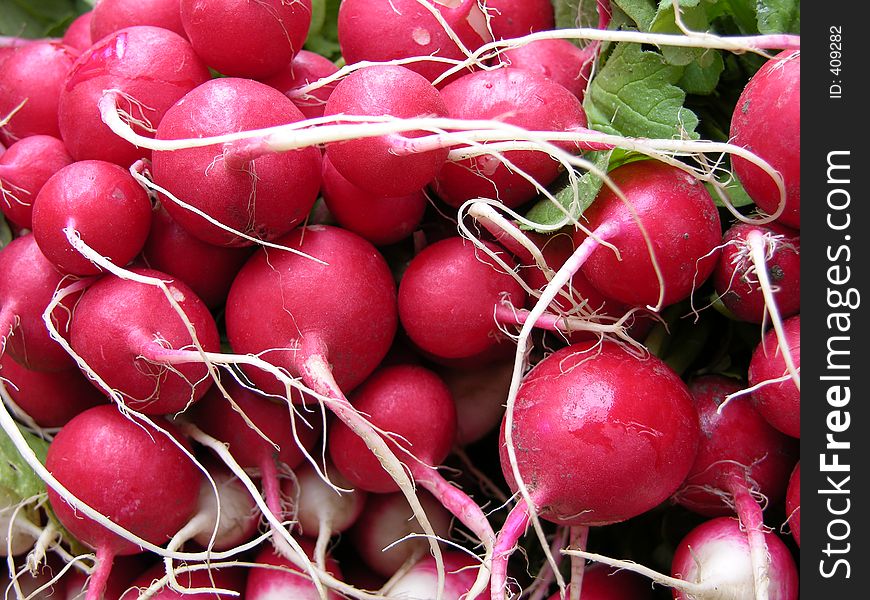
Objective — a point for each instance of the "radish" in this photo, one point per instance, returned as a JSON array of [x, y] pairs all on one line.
[[277, 445], [172, 250], [515, 18], [124, 570], [285, 581], [231, 579], [383, 30], [557, 60], [24, 168], [303, 73], [27, 285], [78, 34], [601, 582], [115, 466], [375, 164], [767, 121], [778, 398], [141, 71], [386, 537], [623, 448], [737, 278], [419, 582], [132, 354], [31, 80], [100, 203], [517, 97], [111, 15], [479, 397], [679, 220], [276, 30], [380, 220], [793, 503], [713, 561], [50, 399], [321, 509], [249, 194]]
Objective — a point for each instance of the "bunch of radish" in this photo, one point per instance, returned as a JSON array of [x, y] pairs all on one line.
[[401, 314]]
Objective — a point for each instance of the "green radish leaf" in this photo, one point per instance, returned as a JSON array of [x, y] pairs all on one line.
[[565, 12], [702, 77], [694, 16], [37, 18], [635, 94], [17, 479], [641, 12], [323, 33], [779, 16], [545, 213], [736, 194], [5, 233]]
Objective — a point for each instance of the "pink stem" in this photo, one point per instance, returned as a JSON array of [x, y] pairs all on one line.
[[241, 153], [100, 575], [579, 536], [271, 486], [513, 529], [453, 499], [752, 520], [509, 315]]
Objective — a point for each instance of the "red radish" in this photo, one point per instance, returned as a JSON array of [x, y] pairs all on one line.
[[117, 462], [31, 80], [623, 447], [736, 276], [383, 30], [286, 582], [380, 220], [27, 285], [558, 60], [291, 308], [49, 398], [679, 218], [171, 249], [374, 164], [780, 402], [124, 570], [739, 451], [420, 582], [306, 69], [387, 520], [24, 168], [479, 397], [218, 418], [601, 582], [276, 31], [321, 510], [127, 331], [793, 503], [521, 98], [109, 16], [249, 194], [460, 320], [231, 579], [767, 122], [516, 18], [102, 204], [713, 559], [140, 71], [78, 34]]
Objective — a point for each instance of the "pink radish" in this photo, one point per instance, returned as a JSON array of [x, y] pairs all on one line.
[[380, 220], [132, 355], [306, 69], [275, 31], [286, 581], [793, 503], [31, 80], [141, 71], [78, 34], [27, 285], [737, 279], [558, 60], [172, 250], [680, 220], [24, 168], [517, 97], [116, 465], [374, 164], [247, 193], [516, 18], [382, 30], [97, 201], [778, 399], [767, 122], [49, 398], [623, 448], [111, 15], [479, 396]]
